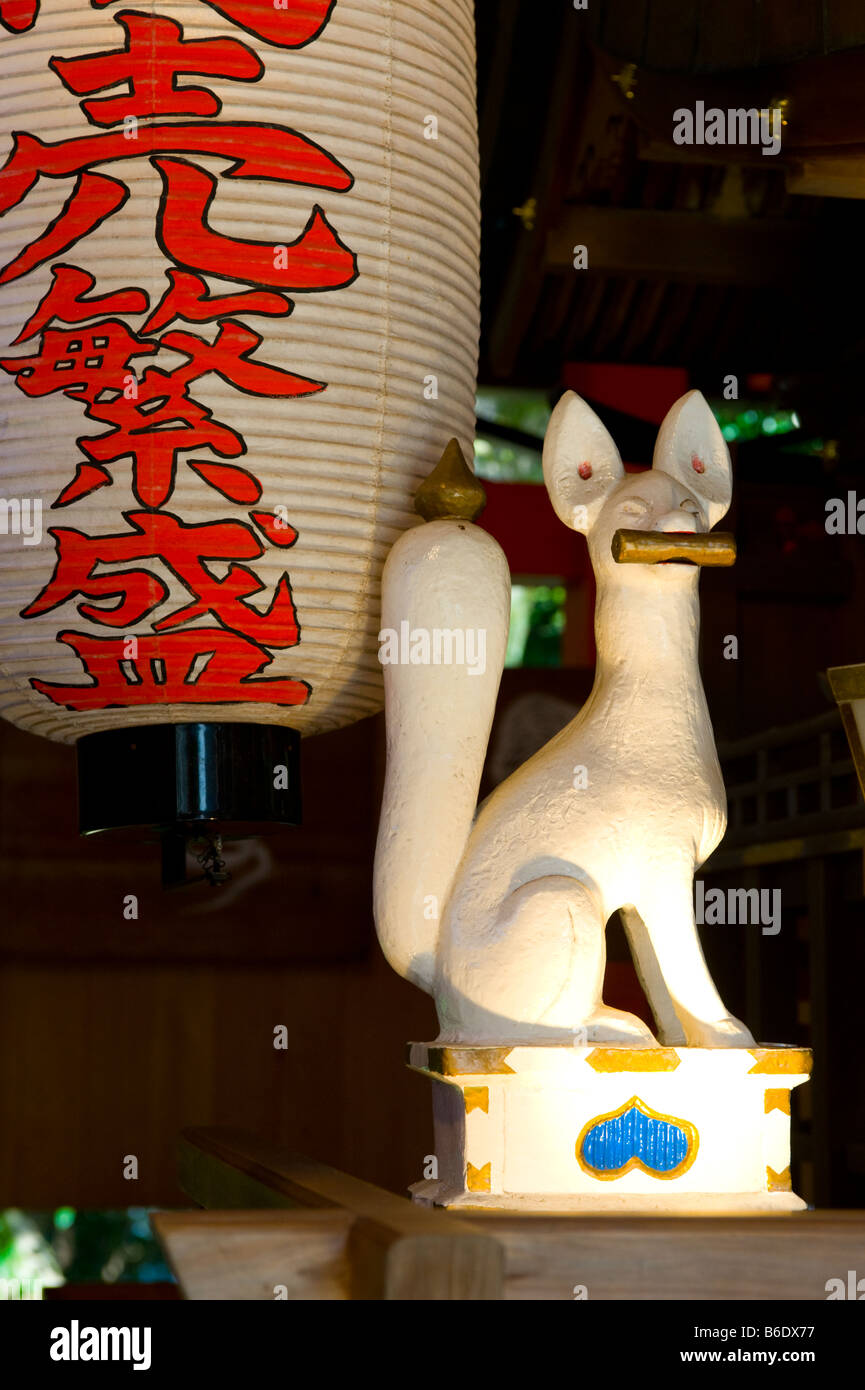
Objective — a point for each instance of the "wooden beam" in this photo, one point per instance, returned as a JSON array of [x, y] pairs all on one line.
[[845, 23], [396, 1249], [829, 176], [255, 1255], [549, 173], [671, 41], [624, 27], [691, 246], [825, 108], [653, 150], [787, 1257], [789, 29], [786, 851], [496, 89], [821, 1030], [728, 35]]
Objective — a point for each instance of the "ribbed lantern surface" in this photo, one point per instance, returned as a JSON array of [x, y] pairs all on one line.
[[238, 323]]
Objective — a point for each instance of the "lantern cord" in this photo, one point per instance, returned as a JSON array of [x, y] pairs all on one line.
[[209, 856]]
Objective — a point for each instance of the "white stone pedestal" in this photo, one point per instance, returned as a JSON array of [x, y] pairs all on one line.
[[604, 1128]]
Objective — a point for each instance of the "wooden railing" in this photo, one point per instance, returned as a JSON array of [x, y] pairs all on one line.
[[289, 1227], [281, 1226], [792, 791]]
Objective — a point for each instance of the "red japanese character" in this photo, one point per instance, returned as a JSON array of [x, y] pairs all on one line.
[[18, 15], [154, 55], [153, 426], [316, 260], [80, 362], [94, 198], [230, 356], [235, 483], [259, 151], [188, 298], [205, 666], [88, 477], [284, 23], [153, 420], [162, 422], [134, 594], [66, 302]]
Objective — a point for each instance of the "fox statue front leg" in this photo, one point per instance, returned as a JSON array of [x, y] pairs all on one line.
[[666, 909]]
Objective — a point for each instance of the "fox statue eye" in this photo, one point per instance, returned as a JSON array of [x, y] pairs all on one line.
[[635, 506]]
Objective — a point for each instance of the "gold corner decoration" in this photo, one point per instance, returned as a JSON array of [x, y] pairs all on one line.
[[780, 1061], [777, 1100], [477, 1098], [451, 490], [468, 1061], [778, 1182], [479, 1179]]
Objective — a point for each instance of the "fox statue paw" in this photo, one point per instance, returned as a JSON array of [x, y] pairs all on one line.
[[723, 1032], [608, 1025]]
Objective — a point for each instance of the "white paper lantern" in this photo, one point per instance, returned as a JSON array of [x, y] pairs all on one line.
[[306, 190]]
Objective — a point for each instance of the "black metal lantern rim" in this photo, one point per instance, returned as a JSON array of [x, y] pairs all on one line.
[[235, 779]]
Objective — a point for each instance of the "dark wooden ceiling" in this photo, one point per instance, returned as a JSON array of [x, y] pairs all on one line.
[[718, 259]]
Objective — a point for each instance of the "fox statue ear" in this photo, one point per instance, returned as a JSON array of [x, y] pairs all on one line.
[[581, 463], [691, 448]]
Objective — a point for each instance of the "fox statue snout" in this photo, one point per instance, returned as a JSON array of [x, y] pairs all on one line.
[[500, 911]]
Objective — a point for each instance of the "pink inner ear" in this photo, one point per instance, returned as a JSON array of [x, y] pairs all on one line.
[[698, 465], [585, 470]]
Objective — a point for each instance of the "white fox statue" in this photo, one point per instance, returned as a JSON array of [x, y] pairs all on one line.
[[501, 914]]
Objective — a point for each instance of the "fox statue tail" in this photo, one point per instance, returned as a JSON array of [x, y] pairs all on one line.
[[445, 613]]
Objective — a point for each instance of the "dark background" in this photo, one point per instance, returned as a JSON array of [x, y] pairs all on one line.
[[114, 1034]]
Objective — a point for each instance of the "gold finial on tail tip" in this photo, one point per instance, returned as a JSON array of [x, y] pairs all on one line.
[[451, 490]]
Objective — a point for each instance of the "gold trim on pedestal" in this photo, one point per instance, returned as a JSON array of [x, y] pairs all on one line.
[[467, 1061], [537, 1097], [781, 1061], [634, 1059]]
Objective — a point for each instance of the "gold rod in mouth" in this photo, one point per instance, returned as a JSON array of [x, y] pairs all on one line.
[[653, 547]]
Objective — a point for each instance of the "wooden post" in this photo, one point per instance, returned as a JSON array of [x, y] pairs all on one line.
[[393, 1249]]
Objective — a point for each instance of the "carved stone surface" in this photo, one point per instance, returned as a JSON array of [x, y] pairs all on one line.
[[503, 921]]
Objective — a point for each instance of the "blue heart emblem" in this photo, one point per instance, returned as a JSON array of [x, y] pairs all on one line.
[[635, 1136]]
